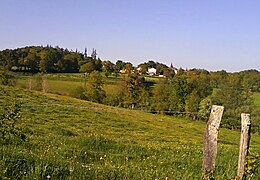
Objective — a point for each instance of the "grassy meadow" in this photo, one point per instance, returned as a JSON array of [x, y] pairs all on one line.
[[65, 84], [74, 139]]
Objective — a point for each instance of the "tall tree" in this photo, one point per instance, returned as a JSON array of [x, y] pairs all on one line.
[[180, 90], [231, 95], [46, 61], [108, 67], [160, 68], [129, 67], [32, 61], [94, 54], [119, 65], [161, 95], [133, 91], [199, 81], [143, 68], [85, 53], [94, 87], [87, 68], [192, 104], [250, 80], [71, 62], [151, 64]]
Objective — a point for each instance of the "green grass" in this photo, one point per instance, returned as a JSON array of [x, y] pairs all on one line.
[[65, 84], [256, 97], [255, 116], [74, 139]]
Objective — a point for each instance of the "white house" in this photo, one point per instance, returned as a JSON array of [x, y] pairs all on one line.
[[122, 71], [151, 71], [174, 69]]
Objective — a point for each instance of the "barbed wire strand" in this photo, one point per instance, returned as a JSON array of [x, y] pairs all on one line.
[[148, 111]]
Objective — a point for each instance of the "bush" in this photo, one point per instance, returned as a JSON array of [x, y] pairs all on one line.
[[7, 78]]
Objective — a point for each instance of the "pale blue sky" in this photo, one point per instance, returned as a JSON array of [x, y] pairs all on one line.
[[209, 34]]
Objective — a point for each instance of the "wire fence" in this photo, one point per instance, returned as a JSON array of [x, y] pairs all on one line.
[[169, 113]]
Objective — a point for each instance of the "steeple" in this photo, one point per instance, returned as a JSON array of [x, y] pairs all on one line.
[[171, 66]]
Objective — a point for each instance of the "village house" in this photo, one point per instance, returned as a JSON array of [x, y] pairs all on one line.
[[174, 69], [151, 71], [123, 71]]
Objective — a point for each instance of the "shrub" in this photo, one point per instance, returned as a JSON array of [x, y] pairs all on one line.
[[7, 78]]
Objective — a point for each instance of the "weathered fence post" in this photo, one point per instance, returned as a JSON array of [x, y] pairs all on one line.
[[210, 140], [30, 83], [244, 143], [44, 85]]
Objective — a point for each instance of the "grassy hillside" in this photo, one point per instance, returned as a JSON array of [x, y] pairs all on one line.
[[70, 138]]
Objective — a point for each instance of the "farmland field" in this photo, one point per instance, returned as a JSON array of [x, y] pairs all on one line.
[[65, 84], [74, 139]]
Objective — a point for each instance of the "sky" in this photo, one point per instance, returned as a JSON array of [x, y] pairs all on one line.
[[205, 34]]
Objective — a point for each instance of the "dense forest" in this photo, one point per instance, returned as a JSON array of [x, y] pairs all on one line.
[[190, 92], [45, 59]]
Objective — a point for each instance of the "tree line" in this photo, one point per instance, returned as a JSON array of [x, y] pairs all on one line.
[[50, 59], [43, 59], [190, 94]]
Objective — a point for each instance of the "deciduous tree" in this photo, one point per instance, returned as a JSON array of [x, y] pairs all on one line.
[[94, 87]]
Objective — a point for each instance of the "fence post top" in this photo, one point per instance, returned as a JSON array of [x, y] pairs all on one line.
[[245, 115], [245, 119], [217, 107]]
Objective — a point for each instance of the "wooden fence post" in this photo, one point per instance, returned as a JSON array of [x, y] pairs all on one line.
[[30, 83], [44, 85], [244, 143], [210, 140]]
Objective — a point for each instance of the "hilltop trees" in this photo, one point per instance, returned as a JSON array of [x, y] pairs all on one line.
[[119, 65], [108, 67], [46, 59], [87, 67], [49, 59], [32, 60], [129, 67], [71, 62], [8, 58]]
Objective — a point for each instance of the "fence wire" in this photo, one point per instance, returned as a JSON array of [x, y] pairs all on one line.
[[147, 111]]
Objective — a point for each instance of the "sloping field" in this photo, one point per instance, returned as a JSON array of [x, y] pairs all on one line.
[[74, 139]]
